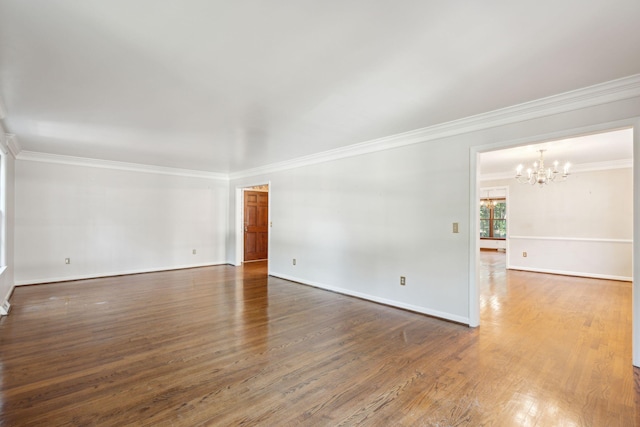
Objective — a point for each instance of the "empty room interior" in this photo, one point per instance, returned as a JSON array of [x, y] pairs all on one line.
[[317, 213]]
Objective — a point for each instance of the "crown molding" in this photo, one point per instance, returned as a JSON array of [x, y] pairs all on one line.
[[580, 168], [33, 156], [615, 90], [13, 145], [602, 166]]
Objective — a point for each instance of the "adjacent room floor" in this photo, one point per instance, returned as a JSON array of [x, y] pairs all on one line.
[[227, 346]]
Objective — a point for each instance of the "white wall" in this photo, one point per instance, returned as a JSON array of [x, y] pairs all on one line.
[[7, 275], [110, 221], [356, 224], [581, 227]]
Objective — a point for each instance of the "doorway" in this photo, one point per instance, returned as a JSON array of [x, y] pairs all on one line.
[[581, 227], [252, 223], [631, 124], [256, 225]]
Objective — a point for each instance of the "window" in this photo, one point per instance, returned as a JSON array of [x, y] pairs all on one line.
[[493, 219]]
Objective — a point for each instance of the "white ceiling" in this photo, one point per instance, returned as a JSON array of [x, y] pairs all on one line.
[[586, 151], [224, 86]]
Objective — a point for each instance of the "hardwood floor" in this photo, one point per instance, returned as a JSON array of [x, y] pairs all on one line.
[[229, 346]]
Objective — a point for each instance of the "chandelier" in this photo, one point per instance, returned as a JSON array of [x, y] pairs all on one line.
[[539, 175], [488, 201]]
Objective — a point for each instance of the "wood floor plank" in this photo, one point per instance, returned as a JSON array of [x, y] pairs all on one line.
[[231, 346]]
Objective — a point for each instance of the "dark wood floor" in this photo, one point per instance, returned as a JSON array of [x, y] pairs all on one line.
[[229, 346]]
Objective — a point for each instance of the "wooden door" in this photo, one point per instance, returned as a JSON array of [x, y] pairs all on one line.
[[256, 225]]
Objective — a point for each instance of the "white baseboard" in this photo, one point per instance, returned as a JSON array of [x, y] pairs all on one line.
[[5, 305], [110, 274], [392, 303], [572, 273]]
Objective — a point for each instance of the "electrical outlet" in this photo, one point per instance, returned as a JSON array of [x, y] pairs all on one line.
[[67, 260], [403, 281], [524, 254], [455, 227], [294, 261], [194, 251]]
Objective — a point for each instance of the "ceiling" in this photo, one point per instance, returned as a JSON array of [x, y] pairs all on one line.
[[224, 86], [582, 152]]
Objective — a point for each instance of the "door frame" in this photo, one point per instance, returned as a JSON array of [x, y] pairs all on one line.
[[474, 214], [239, 217]]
